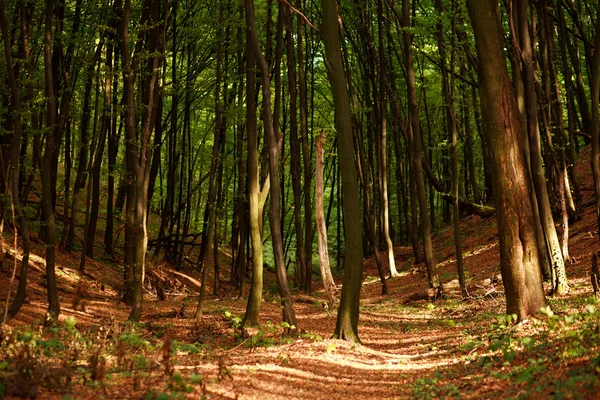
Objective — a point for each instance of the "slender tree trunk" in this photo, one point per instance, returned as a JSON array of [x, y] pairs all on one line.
[[415, 142], [45, 162], [595, 92], [209, 235], [347, 318], [16, 109], [328, 282], [560, 283], [306, 154], [273, 145], [255, 197], [571, 118], [382, 149], [300, 270], [448, 91]]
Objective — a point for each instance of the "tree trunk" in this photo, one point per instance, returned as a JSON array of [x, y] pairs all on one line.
[[45, 162], [209, 235], [560, 283], [300, 270], [415, 143], [273, 145], [519, 258], [595, 92], [255, 197], [382, 150], [347, 317], [328, 282], [16, 109]]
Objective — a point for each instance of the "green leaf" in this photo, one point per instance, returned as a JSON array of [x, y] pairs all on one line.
[[331, 347]]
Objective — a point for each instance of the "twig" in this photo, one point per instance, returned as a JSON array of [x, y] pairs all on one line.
[[300, 14], [236, 347], [15, 237]]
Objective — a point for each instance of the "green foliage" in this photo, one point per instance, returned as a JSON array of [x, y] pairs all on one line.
[[433, 388], [134, 340], [234, 320], [188, 348]]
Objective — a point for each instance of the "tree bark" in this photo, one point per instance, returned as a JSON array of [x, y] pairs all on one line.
[[22, 225], [273, 146], [347, 317], [560, 283], [519, 258], [415, 142], [45, 162], [328, 282]]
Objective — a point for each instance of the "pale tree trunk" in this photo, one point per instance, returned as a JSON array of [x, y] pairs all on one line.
[[560, 283], [273, 145], [382, 149], [256, 196], [328, 283]]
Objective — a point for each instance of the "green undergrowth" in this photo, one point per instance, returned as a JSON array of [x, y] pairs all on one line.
[[552, 356], [115, 358], [109, 358]]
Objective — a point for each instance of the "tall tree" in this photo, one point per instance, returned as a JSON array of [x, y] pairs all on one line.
[[20, 223], [519, 259], [560, 283], [45, 163], [273, 149], [347, 318], [137, 143], [415, 144]]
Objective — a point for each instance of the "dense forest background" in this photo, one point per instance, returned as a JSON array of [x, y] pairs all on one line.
[[299, 138]]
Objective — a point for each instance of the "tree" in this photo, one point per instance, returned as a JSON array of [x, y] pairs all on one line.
[[347, 318], [137, 147], [273, 149], [328, 282], [519, 259]]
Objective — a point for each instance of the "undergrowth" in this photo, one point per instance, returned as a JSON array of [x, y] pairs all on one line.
[[551, 356]]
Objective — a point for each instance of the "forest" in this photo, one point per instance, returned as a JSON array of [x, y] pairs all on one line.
[[299, 199]]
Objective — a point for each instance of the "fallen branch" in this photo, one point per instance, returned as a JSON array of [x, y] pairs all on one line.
[[464, 206]]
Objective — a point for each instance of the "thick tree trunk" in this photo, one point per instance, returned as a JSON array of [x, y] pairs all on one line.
[[519, 258]]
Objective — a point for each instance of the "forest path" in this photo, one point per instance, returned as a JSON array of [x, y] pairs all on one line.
[[410, 348]]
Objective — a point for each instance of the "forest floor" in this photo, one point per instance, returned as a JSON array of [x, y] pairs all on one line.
[[452, 347]]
